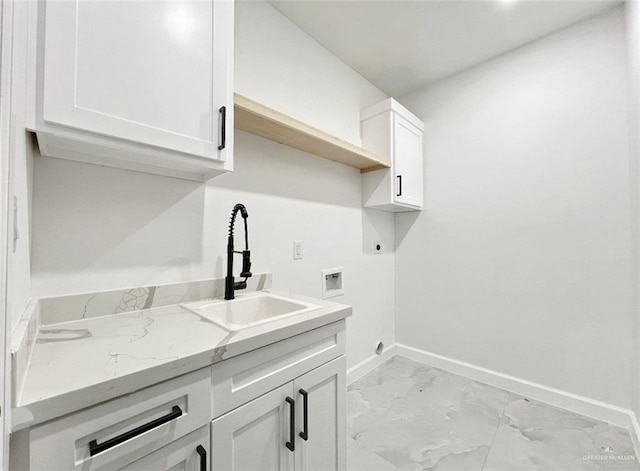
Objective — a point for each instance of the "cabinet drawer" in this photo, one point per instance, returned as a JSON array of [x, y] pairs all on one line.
[[245, 377], [189, 453], [118, 432]]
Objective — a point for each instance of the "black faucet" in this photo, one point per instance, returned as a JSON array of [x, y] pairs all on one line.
[[229, 285]]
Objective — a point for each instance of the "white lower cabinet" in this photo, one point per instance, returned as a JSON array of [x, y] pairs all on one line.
[[297, 426], [278, 407], [324, 448], [117, 433], [189, 453], [252, 437]]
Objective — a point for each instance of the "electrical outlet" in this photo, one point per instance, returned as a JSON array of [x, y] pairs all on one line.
[[297, 250]]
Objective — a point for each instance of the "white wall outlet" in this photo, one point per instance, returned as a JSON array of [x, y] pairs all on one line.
[[377, 246], [297, 250], [332, 282]]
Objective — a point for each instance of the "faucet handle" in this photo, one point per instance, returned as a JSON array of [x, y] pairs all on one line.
[[246, 264]]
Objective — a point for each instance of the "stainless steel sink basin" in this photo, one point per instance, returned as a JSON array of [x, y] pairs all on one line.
[[249, 309]]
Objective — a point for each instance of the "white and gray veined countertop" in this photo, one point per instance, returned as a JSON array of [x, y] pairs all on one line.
[[79, 363]]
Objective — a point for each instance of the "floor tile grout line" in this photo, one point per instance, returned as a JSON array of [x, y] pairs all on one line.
[[495, 434]]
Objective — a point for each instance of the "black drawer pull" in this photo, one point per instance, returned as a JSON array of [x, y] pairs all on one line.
[[223, 127], [95, 447], [399, 185], [292, 424], [305, 422], [203, 457]]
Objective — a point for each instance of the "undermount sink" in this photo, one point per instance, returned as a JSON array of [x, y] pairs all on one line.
[[249, 309]]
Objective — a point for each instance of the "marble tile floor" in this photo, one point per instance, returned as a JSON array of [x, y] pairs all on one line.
[[409, 416]]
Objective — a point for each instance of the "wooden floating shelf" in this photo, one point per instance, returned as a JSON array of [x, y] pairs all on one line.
[[255, 118]]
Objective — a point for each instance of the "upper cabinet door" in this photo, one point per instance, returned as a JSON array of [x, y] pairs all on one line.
[[388, 128], [407, 162], [157, 73]]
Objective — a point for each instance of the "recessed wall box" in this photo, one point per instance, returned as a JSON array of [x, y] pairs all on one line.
[[332, 282]]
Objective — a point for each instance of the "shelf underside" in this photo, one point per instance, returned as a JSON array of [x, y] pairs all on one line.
[[255, 118]]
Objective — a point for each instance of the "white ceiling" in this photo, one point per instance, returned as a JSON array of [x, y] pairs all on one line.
[[401, 46]]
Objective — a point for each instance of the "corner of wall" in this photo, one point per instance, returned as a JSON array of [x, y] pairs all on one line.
[[632, 16]]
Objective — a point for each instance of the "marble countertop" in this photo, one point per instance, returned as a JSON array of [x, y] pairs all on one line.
[[80, 363]]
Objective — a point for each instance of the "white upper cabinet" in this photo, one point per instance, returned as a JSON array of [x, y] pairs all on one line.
[[389, 129], [144, 85]]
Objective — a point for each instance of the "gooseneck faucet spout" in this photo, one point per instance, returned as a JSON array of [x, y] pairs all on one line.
[[229, 284]]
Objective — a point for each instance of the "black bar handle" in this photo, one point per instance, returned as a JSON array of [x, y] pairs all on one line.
[[203, 457], [223, 127], [95, 447], [292, 424], [399, 185], [305, 407]]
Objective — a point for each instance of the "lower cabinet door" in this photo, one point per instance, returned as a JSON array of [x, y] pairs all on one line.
[[321, 445], [254, 437], [189, 453]]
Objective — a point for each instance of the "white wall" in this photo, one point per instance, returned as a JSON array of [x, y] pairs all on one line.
[[280, 66], [632, 14], [21, 160], [520, 262], [96, 228], [16, 148]]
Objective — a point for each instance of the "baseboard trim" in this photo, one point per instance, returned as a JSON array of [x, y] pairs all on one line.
[[369, 364], [579, 404], [598, 410]]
